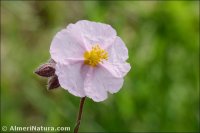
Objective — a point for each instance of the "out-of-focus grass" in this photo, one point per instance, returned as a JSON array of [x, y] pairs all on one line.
[[160, 93]]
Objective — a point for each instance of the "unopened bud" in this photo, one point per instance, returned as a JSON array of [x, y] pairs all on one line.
[[46, 70], [53, 82]]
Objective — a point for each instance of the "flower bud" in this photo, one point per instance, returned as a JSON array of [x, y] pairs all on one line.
[[53, 82], [46, 70]]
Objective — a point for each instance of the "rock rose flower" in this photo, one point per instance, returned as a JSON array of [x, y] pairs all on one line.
[[90, 59]]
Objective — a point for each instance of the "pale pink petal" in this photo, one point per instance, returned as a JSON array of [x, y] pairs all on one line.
[[71, 76], [111, 83], [118, 70], [93, 86], [117, 51], [93, 33], [65, 46]]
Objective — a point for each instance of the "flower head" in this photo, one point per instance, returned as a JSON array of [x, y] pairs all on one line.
[[90, 59]]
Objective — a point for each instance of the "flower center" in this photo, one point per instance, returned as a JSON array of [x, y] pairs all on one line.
[[95, 56]]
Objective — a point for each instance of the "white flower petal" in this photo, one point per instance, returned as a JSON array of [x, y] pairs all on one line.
[[93, 33], [71, 76], [118, 70], [117, 51], [65, 46], [111, 83], [93, 86]]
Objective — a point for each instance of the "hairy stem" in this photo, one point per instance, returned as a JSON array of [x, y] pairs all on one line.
[[79, 115]]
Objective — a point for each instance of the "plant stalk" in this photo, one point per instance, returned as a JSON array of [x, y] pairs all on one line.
[[79, 115]]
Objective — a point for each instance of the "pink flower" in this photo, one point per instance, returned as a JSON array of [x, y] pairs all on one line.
[[90, 59]]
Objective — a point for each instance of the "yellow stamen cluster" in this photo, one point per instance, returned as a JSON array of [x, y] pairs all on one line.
[[95, 56]]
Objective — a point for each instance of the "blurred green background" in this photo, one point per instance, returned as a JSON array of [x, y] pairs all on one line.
[[160, 93]]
